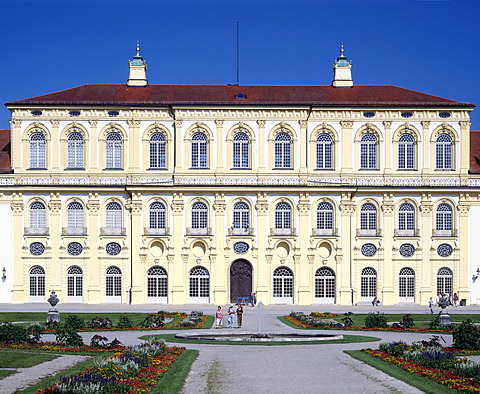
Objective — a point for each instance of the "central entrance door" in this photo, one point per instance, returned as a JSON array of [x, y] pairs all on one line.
[[240, 280]]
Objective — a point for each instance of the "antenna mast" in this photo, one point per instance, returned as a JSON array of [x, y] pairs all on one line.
[[238, 56]]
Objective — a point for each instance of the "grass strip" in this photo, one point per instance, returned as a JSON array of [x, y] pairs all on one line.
[[6, 372], [173, 381], [55, 378], [346, 339], [209, 322], [10, 358], [420, 382]]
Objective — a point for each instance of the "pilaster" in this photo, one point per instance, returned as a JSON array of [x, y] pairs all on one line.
[[220, 147], [347, 146], [93, 144], [388, 146], [463, 269], [179, 148], [302, 269], [19, 287], [54, 150], [135, 231], [179, 278], [303, 147], [93, 291], [261, 271], [134, 144], [464, 147], [347, 210], [16, 148], [387, 290], [427, 287], [262, 140], [219, 280], [426, 149], [54, 265]]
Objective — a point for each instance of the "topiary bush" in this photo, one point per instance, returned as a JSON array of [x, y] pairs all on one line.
[[376, 320], [466, 336], [124, 322], [73, 322]]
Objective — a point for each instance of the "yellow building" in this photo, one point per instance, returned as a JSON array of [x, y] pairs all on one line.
[[143, 193]]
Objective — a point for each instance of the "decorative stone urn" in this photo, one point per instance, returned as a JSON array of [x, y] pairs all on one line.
[[53, 315], [443, 316]]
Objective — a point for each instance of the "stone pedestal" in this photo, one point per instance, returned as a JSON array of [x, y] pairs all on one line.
[[444, 318], [53, 314]]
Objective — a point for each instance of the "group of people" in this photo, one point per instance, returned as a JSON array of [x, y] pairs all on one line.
[[231, 314], [443, 300]]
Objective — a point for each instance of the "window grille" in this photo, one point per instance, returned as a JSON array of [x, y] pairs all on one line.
[[368, 152], [406, 285], [241, 151], [157, 282], [241, 216], [283, 215], [199, 150], [38, 150], [443, 149], [444, 218], [445, 281], [199, 215], [324, 283], [406, 152], [324, 152], [368, 217], [75, 215], [158, 151], [75, 150], [114, 150], [199, 280], [74, 281], [113, 285], [37, 281], [283, 146], [157, 215], [113, 215], [406, 218], [282, 282], [37, 217], [368, 283], [324, 216]]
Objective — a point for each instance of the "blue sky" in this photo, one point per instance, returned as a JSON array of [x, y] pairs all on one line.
[[431, 46]]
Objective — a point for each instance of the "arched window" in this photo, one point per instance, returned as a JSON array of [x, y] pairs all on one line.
[[283, 146], [406, 285], [241, 151], [113, 219], [75, 150], [325, 285], [38, 151], [74, 282], [282, 285], [324, 152], [444, 281], [199, 281], [157, 219], [38, 224], [443, 148], [37, 281], [199, 218], [324, 219], [114, 150], [158, 151], [368, 220], [113, 283], [241, 218], [443, 226], [406, 220], [199, 150], [368, 283], [75, 219], [157, 284], [368, 152], [406, 152], [283, 219]]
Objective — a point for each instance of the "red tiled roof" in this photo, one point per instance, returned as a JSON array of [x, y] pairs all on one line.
[[5, 165], [474, 152], [154, 95]]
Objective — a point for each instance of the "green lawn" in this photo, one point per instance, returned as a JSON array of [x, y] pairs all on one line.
[[5, 372], [346, 339], [11, 358], [420, 382]]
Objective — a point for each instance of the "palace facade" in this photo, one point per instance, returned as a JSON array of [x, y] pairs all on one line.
[[139, 193]]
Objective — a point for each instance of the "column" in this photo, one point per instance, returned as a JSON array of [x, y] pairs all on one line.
[[217, 278], [179, 279], [427, 288], [135, 144], [54, 150], [387, 291], [426, 149], [347, 236], [464, 147], [463, 269], [54, 268], [302, 266], [93, 144], [347, 146], [261, 270], [94, 273], [19, 287], [137, 288]]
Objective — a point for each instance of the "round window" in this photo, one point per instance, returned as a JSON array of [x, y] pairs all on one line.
[[37, 248], [113, 248], [369, 250], [407, 250]]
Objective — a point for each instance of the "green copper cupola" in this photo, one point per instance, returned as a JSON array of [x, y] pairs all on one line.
[[138, 70], [342, 71]]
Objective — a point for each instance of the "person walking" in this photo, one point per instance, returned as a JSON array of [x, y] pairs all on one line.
[[231, 316], [239, 316], [219, 317], [455, 299], [431, 303], [253, 299]]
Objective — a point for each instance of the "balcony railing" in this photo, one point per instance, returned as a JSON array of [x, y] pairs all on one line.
[[282, 231], [113, 231], [74, 231], [369, 233], [35, 231], [240, 231], [445, 233], [199, 231], [157, 231], [325, 232], [407, 233]]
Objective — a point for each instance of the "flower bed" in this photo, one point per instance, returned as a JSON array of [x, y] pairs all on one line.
[[56, 347], [439, 365], [307, 325], [135, 369]]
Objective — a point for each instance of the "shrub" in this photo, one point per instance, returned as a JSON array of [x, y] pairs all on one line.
[[466, 336], [12, 334], [407, 322], [124, 322], [376, 320], [73, 322], [153, 320], [98, 322], [68, 338], [347, 319], [396, 349]]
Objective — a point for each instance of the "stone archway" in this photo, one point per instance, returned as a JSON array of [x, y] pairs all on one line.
[[240, 280]]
